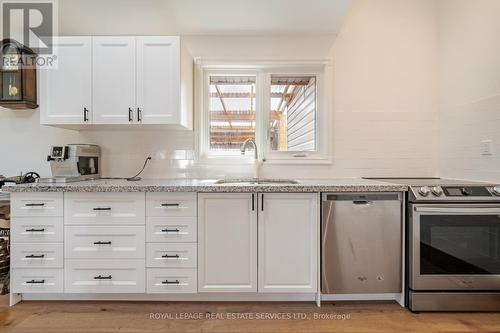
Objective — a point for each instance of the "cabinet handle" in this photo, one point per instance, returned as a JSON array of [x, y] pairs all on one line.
[[85, 114], [130, 114], [170, 282], [34, 204], [102, 208], [253, 202], [170, 230], [170, 205], [170, 256], [35, 230], [139, 114], [102, 243], [36, 281], [40, 256], [100, 277], [262, 204]]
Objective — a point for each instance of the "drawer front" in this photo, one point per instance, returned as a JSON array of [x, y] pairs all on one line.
[[36, 229], [104, 242], [171, 281], [104, 276], [36, 256], [171, 255], [171, 204], [171, 229], [36, 204], [37, 280], [104, 208]]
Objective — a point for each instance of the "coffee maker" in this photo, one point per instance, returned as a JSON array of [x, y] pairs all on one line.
[[73, 162]]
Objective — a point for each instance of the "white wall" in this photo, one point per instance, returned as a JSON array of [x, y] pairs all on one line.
[[470, 88], [384, 93]]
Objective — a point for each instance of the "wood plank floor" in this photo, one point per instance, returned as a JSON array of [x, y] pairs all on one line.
[[76, 317]]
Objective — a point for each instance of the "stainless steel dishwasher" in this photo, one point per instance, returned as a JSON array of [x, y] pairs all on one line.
[[361, 243]]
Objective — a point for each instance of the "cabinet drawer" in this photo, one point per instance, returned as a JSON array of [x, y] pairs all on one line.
[[171, 204], [104, 242], [104, 208], [36, 280], [171, 255], [36, 256], [171, 229], [104, 276], [36, 204], [171, 281], [36, 229]]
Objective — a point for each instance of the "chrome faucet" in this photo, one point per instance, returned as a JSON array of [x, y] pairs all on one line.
[[246, 143]]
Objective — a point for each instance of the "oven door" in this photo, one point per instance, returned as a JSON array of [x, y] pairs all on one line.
[[455, 247]]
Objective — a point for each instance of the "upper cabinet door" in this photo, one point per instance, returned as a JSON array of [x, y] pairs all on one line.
[[227, 242], [158, 80], [288, 242], [114, 80], [66, 90]]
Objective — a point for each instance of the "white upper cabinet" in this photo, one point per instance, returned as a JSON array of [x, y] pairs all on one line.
[[158, 80], [66, 91], [113, 83], [117, 80], [288, 242]]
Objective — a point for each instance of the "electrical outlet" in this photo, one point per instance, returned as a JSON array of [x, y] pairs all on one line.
[[487, 147]]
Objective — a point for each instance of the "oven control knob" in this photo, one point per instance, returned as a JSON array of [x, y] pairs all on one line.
[[496, 190], [424, 191], [437, 191]]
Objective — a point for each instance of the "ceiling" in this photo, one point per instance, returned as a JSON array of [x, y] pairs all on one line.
[[217, 17]]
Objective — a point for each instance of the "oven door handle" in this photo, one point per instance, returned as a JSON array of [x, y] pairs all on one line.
[[461, 210]]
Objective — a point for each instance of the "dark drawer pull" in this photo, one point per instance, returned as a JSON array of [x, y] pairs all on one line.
[[170, 205], [170, 256], [170, 230], [35, 230], [34, 204], [102, 208], [102, 243], [35, 256], [36, 282], [100, 277], [170, 282]]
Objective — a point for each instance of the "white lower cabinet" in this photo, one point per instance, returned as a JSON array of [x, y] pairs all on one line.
[[227, 242], [171, 255], [104, 209], [286, 243], [36, 256], [171, 280], [171, 229], [36, 229], [37, 280], [165, 243], [104, 276], [104, 242]]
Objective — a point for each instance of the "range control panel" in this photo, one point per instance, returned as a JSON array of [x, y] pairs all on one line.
[[455, 193]]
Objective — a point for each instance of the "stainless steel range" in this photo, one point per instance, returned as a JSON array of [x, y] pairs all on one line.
[[453, 245]]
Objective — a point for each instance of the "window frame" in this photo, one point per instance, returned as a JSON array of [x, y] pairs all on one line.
[[263, 72]]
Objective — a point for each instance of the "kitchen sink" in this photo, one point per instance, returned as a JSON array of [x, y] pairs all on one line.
[[257, 181]]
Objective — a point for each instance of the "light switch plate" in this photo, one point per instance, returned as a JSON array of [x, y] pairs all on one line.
[[487, 147]]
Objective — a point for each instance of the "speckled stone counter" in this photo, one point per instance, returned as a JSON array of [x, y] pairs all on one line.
[[209, 185]]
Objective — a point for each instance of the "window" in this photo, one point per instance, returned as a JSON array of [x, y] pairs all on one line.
[[231, 112], [281, 108], [292, 124]]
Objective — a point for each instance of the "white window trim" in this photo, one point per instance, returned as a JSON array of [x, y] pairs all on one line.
[[263, 70]]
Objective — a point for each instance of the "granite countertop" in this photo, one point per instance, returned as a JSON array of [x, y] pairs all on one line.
[[208, 185]]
